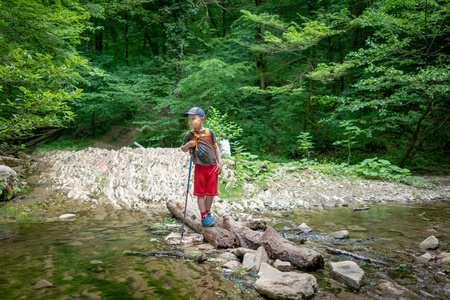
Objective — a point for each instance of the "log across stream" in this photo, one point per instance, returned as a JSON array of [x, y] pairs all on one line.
[[230, 234]]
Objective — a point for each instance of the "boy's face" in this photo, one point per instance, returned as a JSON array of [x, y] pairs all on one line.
[[195, 121]]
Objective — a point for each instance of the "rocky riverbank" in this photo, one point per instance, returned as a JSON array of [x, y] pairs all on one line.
[[140, 179]]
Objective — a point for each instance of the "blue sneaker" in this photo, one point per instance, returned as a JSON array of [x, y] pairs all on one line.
[[208, 220], [214, 220]]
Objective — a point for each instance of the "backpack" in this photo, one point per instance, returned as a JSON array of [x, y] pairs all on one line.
[[197, 136]]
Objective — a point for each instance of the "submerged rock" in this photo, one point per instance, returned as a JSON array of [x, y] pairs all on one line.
[[349, 272], [67, 217], [285, 285], [343, 234], [188, 239], [41, 284]]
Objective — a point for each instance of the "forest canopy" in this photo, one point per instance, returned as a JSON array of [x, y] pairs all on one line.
[[341, 77]]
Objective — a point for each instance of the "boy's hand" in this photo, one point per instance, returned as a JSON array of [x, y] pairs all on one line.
[[219, 169], [190, 144]]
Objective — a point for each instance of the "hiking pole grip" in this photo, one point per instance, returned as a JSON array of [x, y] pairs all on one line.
[[187, 193]]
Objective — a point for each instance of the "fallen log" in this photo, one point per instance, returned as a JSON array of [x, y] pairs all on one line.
[[357, 256], [280, 248], [172, 254], [216, 236], [230, 234], [247, 238]]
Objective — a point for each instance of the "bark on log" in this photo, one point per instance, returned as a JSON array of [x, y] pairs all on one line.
[[247, 237], [216, 236], [227, 237], [300, 257]]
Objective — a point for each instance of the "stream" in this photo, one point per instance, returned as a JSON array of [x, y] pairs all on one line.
[[83, 258]]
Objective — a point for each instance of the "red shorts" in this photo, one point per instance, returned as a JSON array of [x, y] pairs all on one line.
[[205, 181]]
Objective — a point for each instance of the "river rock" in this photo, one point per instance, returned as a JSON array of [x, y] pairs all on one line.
[[399, 292], [233, 265], [229, 256], [282, 265], [285, 285], [424, 258], [249, 261], [9, 178], [430, 242], [343, 234], [189, 238], [41, 284], [67, 217], [305, 228], [261, 257], [242, 251], [349, 272]]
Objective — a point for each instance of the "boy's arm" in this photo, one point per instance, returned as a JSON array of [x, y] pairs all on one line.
[[219, 159], [187, 146]]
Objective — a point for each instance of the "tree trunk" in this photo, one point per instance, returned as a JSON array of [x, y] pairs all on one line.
[[415, 133], [231, 234], [43, 137], [126, 40]]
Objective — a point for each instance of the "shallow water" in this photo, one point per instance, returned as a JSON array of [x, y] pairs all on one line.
[[68, 255], [388, 233], [83, 259]]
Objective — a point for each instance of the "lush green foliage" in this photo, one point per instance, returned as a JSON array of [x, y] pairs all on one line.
[[369, 77]]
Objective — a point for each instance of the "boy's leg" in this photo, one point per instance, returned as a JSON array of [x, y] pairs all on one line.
[[201, 202], [208, 203]]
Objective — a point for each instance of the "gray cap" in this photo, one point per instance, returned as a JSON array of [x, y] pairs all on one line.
[[195, 111]]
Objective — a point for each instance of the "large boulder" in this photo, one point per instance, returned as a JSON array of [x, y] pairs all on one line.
[[285, 285], [8, 180], [349, 272]]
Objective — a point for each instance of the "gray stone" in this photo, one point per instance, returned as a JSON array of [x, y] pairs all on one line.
[[285, 285], [9, 178], [443, 255], [282, 265], [229, 256], [399, 292], [424, 258], [305, 228], [96, 262], [349, 272], [233, 265], [430, 242], [242, 251], [41, 284], [249, 261], [188, 239], [261, 257], [446, 260], [67, 217], [343, 234]]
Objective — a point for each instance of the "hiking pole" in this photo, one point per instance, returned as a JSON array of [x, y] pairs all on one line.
[[187, 192]]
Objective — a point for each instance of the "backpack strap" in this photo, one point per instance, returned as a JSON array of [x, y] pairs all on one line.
[[197, 136]]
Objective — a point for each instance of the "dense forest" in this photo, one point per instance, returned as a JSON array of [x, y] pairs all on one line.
[[284, 80]]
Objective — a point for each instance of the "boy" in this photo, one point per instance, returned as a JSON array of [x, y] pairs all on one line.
[[207, 161]]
